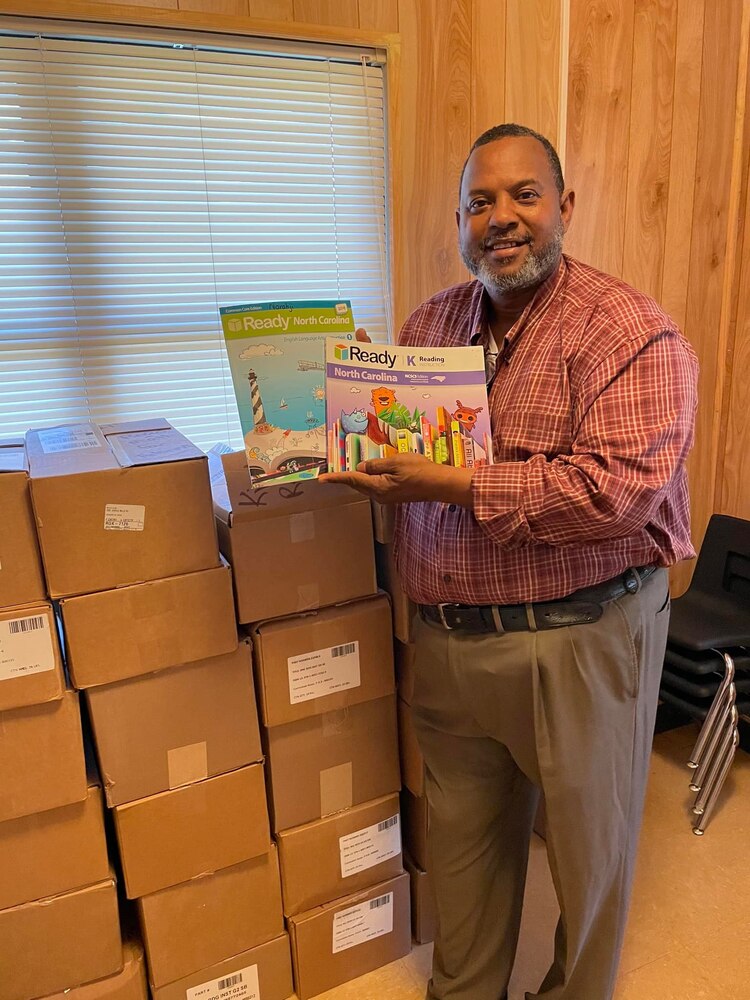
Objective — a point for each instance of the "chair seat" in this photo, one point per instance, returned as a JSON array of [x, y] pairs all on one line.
[[698, 710], [706, 662], [701, 622], [705, 688]]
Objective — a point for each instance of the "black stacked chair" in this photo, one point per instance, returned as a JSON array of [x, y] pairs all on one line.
[[707, 663]]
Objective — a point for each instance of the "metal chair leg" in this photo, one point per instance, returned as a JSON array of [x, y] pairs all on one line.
[[700, 827], [716, 764], [720, 723], [713, 712]]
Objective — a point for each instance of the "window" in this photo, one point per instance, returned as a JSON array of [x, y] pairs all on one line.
[[145, 183]]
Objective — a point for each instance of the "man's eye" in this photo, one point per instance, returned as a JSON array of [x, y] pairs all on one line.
[[527, 195], [477, 203]]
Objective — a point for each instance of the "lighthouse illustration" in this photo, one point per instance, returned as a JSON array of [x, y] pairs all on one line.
[[259, 417]]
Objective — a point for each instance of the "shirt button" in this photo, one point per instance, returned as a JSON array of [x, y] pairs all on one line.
[[447, 578], [452, 508]]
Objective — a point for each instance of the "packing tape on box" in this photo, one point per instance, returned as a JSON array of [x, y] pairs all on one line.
[[187, 764], [336, 791], [308, 596], [302, 526]]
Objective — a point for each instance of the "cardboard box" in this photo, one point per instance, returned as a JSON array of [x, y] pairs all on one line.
[[193, 722], [59, 942], [149, 626], [119, 504], [54, 851], [339, 942], [31, 670], [128, 984], [330, 762], [313, 540], [415, 821], [404, 654], [261, 973], [340, 855], [41, 757], [21, 576], [412, 761], [177, 835], [324, 660], [383, 521], [423, 911], [210, 919], [388, 578]]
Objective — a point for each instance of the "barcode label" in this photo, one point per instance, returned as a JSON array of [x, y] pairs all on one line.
[[323, 671], [72, 438], [357, 924], [239, 985], [346, 650], [387, 824], [369, 847], [124, 517], [27, 646], [26, 625], [230, 981]]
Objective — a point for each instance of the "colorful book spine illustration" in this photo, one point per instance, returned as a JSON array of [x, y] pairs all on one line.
[[457, 448], [402, 442], [469, 452], [426, 438]]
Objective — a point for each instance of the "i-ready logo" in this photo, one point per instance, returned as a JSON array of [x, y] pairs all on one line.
[[341, 352], [383, 358]]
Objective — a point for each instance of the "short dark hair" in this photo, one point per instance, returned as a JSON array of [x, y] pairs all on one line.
[[511, 130]]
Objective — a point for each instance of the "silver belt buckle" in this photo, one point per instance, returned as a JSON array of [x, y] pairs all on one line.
[[441, 612]]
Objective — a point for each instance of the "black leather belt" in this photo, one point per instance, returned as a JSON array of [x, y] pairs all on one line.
[[579, 608]]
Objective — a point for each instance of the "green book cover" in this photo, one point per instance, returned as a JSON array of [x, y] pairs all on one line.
[[276, 353]]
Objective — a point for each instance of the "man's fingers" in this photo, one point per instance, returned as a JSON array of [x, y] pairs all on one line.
[[376, 466], [362, 335], [357, 480]]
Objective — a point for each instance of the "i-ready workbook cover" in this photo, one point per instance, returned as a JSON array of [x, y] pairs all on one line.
[[276, 354], [385, 400]]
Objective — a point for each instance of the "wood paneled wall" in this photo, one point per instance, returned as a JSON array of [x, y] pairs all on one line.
[[648, 103]]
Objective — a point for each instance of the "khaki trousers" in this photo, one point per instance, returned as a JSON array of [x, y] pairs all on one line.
[[569, 711]]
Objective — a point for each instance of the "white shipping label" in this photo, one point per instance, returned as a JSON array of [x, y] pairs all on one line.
[[240, 985], [367, 848], [323, 671], [124, 517], [72, 438], [25, 647], [362, 923]]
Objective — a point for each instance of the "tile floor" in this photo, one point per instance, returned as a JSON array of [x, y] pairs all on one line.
[[688, 935]]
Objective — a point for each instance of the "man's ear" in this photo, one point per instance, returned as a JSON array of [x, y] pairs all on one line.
[[567, 204]]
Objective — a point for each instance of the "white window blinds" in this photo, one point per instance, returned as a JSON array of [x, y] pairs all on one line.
[[143, 186]]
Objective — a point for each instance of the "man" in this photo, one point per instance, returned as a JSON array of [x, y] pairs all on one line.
[[541, 580]]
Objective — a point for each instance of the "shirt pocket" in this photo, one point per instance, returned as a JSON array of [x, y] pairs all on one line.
[[521, 433]]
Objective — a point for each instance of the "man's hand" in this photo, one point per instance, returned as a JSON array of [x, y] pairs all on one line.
[[362, 336], [407, 479]]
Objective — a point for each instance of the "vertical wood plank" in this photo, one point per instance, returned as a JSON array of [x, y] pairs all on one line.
[[654, 44], [344, 13], [236, 7], [434, 113], [733, 487], [708, 256], [600, 60], [684, 151], [532, 65], [487, 65], [272, 10], [379, 15]]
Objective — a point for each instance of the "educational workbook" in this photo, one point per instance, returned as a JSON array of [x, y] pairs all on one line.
[[384, 400], [276, 354]]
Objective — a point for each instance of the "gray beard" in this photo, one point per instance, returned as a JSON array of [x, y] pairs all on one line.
[[537, 266]]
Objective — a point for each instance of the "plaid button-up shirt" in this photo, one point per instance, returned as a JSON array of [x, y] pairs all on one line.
[[593, 411]]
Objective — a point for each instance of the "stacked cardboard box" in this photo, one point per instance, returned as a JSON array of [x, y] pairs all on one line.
[[150, 635], [327, 695], [305, 585], [57, 894]]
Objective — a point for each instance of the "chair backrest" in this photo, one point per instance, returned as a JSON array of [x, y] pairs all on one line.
[[723, 567]]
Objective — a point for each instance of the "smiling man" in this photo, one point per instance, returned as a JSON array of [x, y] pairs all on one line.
[[541, 580]]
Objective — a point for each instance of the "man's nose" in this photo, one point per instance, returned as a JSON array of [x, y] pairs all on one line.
[[504, 214]]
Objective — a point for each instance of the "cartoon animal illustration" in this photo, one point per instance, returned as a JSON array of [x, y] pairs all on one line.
[[466, 416], [354, 422], [382, 398]]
